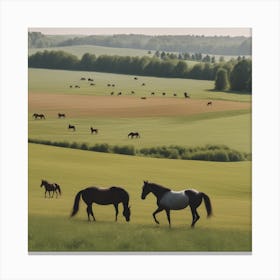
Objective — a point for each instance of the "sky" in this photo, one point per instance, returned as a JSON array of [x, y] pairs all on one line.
[[147, 31]]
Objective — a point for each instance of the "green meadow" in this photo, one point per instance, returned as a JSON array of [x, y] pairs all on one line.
[[59, 81], [228, 184], [50, 228], [230, 128]]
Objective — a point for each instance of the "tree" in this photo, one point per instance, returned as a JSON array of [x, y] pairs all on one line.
[[180, 69], [87, 61], [240, 76], [221, 81]]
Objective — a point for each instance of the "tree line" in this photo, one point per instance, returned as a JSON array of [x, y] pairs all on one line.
[[225, 74], [221, 45]]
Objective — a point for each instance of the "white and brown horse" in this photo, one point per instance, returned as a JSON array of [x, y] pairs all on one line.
[[176, 200]]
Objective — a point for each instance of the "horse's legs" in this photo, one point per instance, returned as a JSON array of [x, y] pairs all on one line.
[[168, 216], [154, 214], [195, 215], [45, 193], [91, 212], [117, 211]]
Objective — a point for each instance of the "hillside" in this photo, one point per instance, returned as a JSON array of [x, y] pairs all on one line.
[[216, 45]]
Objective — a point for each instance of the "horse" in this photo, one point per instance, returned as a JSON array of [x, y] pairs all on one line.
[[40, 116], [72, 127], [61, 115], [173, 200], [143, 97], [132, 134], [54, 187], [119, 93], [102, 196], [152, 93], [186, 95], [93, 130], [209, 103]]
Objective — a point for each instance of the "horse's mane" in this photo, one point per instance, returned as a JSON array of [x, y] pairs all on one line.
[[159, 186]]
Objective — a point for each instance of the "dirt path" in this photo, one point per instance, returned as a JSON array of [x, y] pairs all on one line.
[[123, 106]]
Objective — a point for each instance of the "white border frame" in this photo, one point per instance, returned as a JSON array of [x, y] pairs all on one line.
[[17, 16]]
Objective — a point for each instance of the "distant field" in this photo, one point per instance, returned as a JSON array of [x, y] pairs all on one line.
[[59, 81], [227, 184], [80, 50]]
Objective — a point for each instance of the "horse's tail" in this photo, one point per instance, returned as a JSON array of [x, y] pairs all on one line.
[[76, 203], [207, 204], [58, 188]]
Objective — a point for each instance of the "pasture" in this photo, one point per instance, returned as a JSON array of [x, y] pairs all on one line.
[[227, 184], [59, 82], [160, 120]]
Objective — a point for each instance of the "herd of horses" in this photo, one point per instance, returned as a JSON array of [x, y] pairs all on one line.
[[166, 199]]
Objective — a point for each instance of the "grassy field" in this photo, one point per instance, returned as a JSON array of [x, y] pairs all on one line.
[[227, 184], [225, 128], [80, 50], [59, 81], [161, 120]]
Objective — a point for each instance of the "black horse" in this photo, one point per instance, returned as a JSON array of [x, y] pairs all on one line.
[[61, 115], [93, 130], [54, 188], [38, 116], [209, 103], [133, 134], [72, 127], [112, 195], [170, 200]]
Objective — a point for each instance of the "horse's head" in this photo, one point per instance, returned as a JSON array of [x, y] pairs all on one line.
[[145, 189], [43, 182], [126, 213]]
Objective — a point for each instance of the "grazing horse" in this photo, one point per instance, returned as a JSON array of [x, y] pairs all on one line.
[[186, 95], [119, 93], [133, 134], [209, 103], [163, 93], [93, 130], [152, 93], [172, 200], [38, 116], [143, 97], [51, 188], [112, 195], [61, 115], [72, 127]]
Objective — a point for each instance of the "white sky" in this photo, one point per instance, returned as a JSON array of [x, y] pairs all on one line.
[[149, 31]]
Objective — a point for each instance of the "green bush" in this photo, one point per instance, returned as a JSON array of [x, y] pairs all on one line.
[[220, 153]]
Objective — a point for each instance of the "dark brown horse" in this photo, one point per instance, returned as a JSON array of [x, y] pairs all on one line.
[[51, 187], [93, 130], [72, 127], [112, 195], [133, 134], [38, 116], [61, 115]]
